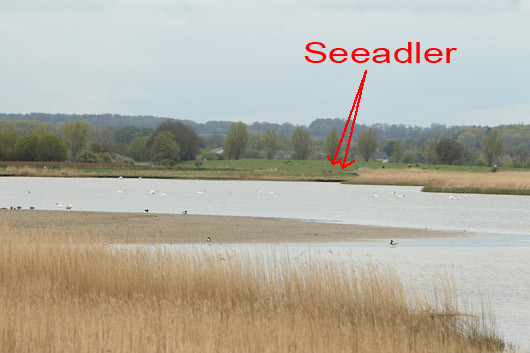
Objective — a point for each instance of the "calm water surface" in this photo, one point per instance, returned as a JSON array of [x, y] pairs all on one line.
[[493, 263], [328, 202]]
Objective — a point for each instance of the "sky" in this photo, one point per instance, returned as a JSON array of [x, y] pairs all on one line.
[[244, 60]]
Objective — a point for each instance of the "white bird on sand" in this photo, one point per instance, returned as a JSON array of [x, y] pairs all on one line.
[[68, 206], [59, 205], [393, 243]]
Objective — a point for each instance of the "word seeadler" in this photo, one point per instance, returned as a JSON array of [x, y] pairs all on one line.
[[379, 55]]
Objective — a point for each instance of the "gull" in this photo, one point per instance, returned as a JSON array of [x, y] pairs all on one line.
[[376, 195], [452, 197], [401, 196], [120, 177], [121, 191], [393, 243], [163, 194], [152, 192], [392, 192], [68, 206], [201, 192]]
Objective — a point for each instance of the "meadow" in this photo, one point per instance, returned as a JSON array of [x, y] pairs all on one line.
[[436, 178], [73, 292]]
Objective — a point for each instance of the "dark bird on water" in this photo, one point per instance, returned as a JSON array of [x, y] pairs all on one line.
[[185, 212], [31, 207], [146, 210], [392, 243]]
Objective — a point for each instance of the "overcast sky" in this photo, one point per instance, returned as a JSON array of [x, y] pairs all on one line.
[[244, 60]]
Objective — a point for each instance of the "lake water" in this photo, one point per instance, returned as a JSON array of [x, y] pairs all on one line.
[[497, 274], [326, 202], [494, 260]]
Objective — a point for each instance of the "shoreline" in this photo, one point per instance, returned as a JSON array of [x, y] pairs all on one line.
[[194, 229]]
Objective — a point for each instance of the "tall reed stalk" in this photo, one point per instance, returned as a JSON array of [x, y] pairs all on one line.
[[76, 293]]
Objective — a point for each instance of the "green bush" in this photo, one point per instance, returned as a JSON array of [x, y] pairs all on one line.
[[479, 162], [408, 159], [207, 155]]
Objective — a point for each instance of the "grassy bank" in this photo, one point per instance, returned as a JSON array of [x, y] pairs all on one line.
[[73, 293], [481, 179]]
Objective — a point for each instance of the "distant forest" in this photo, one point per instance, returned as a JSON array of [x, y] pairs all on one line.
[[319, 128], [120, 134]]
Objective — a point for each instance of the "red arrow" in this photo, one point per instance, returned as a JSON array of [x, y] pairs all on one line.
[[355, 106]]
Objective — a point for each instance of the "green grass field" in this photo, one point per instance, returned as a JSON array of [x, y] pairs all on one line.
[[440, 178]]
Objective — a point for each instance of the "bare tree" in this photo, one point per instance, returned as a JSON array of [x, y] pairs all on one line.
[[236, 140], [367, 144], [301, 142], [492, 146], [521, 154], [75, 134]]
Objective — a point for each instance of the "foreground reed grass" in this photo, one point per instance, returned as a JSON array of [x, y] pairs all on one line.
[[74, 293]]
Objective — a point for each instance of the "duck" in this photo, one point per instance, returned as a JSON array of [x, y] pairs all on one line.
[[209, 240], [392, 243]]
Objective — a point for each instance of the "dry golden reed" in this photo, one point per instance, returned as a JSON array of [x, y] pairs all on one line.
[[43, 172], [75, 293], [447, 179]]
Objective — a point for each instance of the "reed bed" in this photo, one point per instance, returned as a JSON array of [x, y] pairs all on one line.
[[75, 293], [43, 172], [443, 179]]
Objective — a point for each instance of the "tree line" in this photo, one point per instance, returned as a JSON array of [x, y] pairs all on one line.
[[172, 141]]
